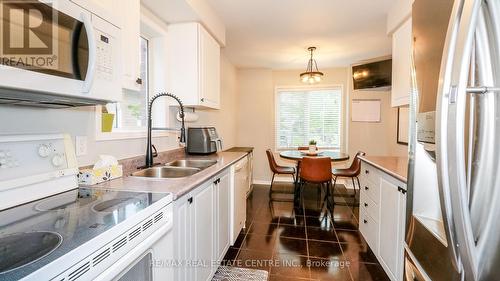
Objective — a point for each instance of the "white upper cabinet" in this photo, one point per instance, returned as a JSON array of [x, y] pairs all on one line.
[[401, 64], [131, 11], [193, 65], [106, 9]]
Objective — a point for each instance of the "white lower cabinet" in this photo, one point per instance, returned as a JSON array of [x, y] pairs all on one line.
[[201, 229], [204, 232], [223, 216], [382, 216]]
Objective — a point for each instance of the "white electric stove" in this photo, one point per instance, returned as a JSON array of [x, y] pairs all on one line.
[[52, 230]]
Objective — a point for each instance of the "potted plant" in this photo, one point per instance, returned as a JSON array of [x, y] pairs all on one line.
[[312, 146], [135, 111], [107, 120]]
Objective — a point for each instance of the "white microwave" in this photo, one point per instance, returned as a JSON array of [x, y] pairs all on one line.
[[56, 53]]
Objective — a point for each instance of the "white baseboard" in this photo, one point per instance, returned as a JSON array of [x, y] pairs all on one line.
[[279, 179]]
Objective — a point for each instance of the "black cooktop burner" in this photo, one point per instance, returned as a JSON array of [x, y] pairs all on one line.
[[19, 249]]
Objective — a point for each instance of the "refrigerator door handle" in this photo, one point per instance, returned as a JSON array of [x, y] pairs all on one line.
[[451, 150]]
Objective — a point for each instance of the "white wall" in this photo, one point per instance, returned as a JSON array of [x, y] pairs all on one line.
[[77, 122]]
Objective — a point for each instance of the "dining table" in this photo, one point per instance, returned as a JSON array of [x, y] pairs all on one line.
[[297, 155]]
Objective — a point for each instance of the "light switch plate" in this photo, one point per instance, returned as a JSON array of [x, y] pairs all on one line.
[[81, 145]]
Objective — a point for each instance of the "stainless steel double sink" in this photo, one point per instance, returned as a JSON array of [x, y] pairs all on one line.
[[176, 169]]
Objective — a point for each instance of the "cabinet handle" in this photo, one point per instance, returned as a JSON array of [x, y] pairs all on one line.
[[190, 200], [402, 190], [138, 81], [366, 188], [365, 221], [367, 172], [366, 205], [202, 99], [217, 181]]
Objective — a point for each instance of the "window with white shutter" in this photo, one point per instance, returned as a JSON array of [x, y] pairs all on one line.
[[309, 114]]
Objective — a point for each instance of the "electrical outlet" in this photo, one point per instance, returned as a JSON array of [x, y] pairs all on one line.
[[81, 145]]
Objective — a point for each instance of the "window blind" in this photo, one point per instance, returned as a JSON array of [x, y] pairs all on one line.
[[304, 115]]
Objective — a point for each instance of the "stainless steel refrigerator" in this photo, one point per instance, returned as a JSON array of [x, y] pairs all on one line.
[[453, 219]]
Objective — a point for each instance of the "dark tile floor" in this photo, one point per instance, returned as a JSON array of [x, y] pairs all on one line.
[[303, 242]]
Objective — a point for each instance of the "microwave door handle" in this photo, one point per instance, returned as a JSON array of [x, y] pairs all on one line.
[[89, 79]]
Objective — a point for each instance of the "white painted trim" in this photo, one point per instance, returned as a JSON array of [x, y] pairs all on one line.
[[268, 182], [263, 182]]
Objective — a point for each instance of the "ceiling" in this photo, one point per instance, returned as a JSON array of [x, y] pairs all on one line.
[[276, 33]]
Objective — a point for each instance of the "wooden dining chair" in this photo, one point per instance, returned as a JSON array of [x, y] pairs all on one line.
[[277, 170], [351, 172]]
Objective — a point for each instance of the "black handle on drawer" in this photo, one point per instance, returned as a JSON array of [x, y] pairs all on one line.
[[217, 181], [367, 172], [366, 188], [402, 190], [190, 200], [365, 221], [366, 204]]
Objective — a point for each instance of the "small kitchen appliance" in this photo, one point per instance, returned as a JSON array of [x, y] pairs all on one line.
[[52, 230], [203, 140], [76, 63]]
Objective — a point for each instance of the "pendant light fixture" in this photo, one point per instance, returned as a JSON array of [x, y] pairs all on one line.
[[312, 74]]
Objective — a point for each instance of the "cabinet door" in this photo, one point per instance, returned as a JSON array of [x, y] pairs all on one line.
[[401, 64], [203, 222], [209, 70], [392, 218], [130, 45], [223, 215], [183, 237]]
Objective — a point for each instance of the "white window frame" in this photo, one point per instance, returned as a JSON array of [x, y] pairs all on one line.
[[343, 113], [150, 29]]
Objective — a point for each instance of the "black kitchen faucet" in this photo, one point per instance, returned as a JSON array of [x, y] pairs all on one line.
[[182, 140]]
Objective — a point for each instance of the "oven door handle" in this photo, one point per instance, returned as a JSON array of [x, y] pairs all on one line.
[[89, 28]]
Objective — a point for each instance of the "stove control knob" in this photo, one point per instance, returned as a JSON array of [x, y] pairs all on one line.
[[57, 160], [43, 151]]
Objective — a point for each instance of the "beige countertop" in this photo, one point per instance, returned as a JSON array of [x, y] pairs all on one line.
[[394, 166], [176, 186]]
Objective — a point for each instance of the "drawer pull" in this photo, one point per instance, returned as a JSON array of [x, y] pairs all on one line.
[[366, 205], [367, 172], [365, 221], [366, 188], [190, 200]]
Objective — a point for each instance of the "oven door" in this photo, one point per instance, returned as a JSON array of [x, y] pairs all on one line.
[[47, 48], [153, 259]]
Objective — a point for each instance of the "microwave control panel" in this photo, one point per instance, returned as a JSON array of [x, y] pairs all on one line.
[[104, 57]]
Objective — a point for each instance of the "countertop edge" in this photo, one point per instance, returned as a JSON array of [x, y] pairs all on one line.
[[384, 169]]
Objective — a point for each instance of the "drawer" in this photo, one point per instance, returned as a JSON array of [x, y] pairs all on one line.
[[369, 228], [370, 189], [370, 207], [370, 173]]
